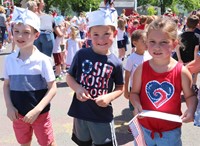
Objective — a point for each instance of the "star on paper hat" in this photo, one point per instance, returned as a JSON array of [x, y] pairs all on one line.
[[102, 17], [21, 15]]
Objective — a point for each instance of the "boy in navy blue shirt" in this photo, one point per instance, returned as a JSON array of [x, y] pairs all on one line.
[[93, 74]]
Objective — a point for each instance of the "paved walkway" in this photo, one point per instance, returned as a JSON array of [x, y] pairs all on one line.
[[62, 123]]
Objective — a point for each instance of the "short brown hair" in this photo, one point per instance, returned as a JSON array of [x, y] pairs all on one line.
[[137, 34], [192, 21]]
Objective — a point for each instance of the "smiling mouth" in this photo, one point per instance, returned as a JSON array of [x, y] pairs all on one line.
[[102, 44], [156, 53], [20, 41]]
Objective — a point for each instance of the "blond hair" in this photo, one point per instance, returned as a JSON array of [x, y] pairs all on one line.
[[164, 24], [2, 9], [74, 32], [121, 23], [30, 4]]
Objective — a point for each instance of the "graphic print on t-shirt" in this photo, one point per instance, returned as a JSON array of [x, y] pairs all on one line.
[[95, 77], [159, 93]]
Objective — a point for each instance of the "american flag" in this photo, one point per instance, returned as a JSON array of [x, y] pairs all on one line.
[[137, 131]]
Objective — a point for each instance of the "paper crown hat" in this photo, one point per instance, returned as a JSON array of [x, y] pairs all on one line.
[[27, 17], [102, 17]]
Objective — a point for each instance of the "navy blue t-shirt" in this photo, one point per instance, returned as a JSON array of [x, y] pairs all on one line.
[[97, 74]]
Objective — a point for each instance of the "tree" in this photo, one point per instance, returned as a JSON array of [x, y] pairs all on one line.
[[84, 5], [188, 4], [151, 11], [63, 5]]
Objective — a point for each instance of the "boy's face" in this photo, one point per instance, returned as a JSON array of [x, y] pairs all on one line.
[[102, 38], [24, 35], [140, 44]]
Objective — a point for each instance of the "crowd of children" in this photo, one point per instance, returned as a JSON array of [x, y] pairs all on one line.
[[156, 72]]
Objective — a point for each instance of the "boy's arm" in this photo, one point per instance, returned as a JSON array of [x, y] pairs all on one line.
[[196, 50], [52, 88], [177, 49], [32, 115], [135, 91], [81, 93], [126, 85], [12, 112], [105, 100], [190, 98]]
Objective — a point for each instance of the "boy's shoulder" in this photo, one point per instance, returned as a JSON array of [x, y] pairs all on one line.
[[187, 34], [37, 55], [134, 54]]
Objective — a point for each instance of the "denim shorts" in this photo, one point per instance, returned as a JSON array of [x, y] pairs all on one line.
[[169, 138]]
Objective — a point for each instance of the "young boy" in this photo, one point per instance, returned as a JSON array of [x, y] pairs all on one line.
[[92, 75], [29, 83], [135, 59], [188, 47]]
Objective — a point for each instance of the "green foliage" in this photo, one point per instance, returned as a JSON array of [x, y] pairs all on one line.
[[84, 5], [66, 6], [190, 4], [151, 11]]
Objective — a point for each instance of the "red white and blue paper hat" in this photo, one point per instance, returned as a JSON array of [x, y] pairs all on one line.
[[27, 17], [102, 17]]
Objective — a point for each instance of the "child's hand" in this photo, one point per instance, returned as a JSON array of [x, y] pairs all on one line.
[[137, 109], [188, 116], [12, 113], [31, 116], [127, 95], [82, 94], [102, 101]]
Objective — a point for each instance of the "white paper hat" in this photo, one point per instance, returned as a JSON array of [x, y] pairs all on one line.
[[25, 16], [102, 17]]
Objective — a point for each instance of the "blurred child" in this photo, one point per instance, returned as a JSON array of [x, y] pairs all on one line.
[[73, 44], [64, 29], [143, 19], [138, 57], [59, 21], [157, 86], [121, 42], [188, 47]]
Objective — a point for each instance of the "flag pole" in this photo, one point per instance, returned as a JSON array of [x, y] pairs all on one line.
[[135, 5]]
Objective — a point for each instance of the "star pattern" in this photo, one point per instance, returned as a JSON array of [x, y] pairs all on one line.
[[20, 15], [108, 13]]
